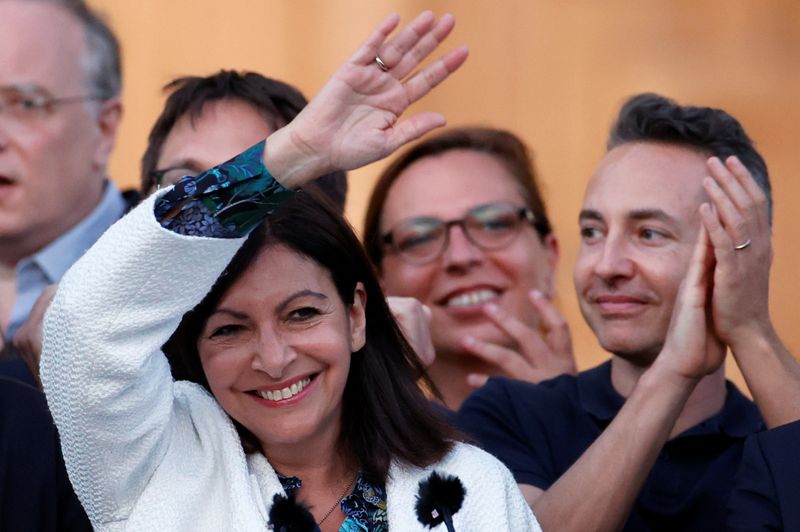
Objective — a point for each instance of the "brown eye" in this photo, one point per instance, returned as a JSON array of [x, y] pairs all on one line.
[[226, 330], [303, 314]]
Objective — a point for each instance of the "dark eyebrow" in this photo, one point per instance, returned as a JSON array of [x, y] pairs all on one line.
[[651, 214], [229, 312], [286, 302], [638, 215], [301, 293], [590, 214]]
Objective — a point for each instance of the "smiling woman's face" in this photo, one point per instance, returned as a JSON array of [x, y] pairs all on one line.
[[276, 349], [465, 277]]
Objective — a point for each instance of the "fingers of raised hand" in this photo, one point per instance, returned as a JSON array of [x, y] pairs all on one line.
[[556, 327], [365, 54], [414, 320], [411, 47], [412, 128], [426, 79], [529, 340], [693, 289], [730, 226], [748, 183], [742, 204], [476, 380], [507, 360]]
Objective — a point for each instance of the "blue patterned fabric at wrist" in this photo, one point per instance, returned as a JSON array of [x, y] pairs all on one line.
[[227, 201]]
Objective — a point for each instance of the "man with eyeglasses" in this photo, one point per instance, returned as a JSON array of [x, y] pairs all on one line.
[[673, 269], [59, 112]]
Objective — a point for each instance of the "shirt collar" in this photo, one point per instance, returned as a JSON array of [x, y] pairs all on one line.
[[596, 394], [738, 419], [57, 257]]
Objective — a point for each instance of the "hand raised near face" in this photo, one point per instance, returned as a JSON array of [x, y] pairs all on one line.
[[540, 354], [355, 118], [692, 349], [739, 229], [414, 319]]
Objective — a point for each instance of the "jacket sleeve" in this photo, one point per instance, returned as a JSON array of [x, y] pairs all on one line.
[[107, 382]]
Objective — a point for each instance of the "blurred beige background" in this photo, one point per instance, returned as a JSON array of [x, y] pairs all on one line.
[[553, 71]]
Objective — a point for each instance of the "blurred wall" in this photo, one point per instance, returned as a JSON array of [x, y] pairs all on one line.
[[554, 72]]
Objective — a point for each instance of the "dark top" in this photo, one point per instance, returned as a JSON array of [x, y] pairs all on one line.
[[539, 431], [35, 493], [767, 490]]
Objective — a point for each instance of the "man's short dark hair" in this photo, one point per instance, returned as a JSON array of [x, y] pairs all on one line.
[[277, 102], [652, 118]]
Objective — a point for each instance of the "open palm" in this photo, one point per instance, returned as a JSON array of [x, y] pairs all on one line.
[[354, 119]]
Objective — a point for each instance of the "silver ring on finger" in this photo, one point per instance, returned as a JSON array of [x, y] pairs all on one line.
[[381, 64], [743, 245]]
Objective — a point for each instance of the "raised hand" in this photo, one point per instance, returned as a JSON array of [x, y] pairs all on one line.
[[540, 354], [740, 232], [414, 319], [739, 229], [692, 349], [354, 120]]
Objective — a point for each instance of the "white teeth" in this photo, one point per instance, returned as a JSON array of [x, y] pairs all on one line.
[[285, 393], [470, 299]]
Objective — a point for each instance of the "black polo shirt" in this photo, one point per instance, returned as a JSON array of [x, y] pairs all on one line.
[[767, 493], [540, 430]]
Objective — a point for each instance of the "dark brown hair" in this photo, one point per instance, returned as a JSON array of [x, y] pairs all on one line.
[[385, 414], [502, 145], [278, 103]]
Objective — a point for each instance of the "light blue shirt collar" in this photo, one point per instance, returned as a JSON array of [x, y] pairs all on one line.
[[49, 264]]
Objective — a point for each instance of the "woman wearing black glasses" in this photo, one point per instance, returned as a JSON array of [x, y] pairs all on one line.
[[458, 223]]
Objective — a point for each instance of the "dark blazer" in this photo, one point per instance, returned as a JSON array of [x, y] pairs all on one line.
[[35, 493]]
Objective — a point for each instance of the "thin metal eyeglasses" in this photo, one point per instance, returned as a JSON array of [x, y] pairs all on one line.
[[490, 227], [24, 104]]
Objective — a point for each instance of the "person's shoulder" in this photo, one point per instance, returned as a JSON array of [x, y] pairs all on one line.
[[22, 405], [470, 456], [490, 494]]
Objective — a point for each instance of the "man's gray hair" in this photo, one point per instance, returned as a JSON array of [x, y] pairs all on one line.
[[101, 62]]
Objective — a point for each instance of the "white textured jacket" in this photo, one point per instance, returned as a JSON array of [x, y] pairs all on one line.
[[147, 453]]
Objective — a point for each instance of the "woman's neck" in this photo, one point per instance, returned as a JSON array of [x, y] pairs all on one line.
[[319, 456], [326, 468]]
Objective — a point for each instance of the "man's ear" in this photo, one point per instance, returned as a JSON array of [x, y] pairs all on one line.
[[108, 119], [358, 318]]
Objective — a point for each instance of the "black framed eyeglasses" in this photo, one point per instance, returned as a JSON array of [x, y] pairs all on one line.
[[490, 227]]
